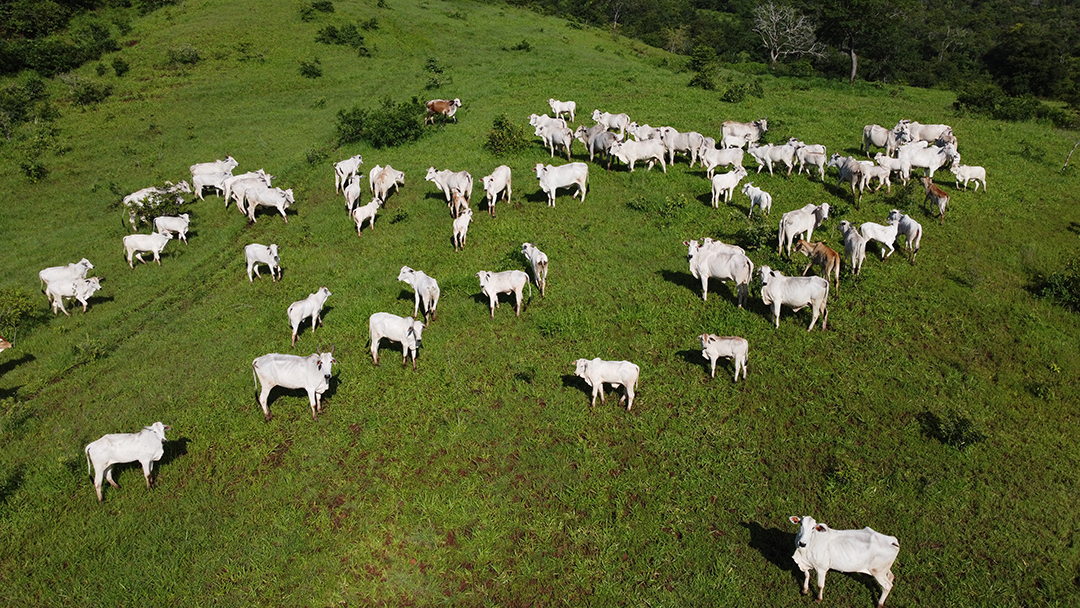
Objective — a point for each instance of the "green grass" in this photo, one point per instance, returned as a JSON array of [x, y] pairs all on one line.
[[485, 478]]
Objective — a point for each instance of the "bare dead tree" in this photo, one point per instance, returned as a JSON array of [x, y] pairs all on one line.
[[786, 32]]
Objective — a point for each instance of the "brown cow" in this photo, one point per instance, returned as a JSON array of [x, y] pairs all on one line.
[[441, 106], [821, 255], [937, 195]]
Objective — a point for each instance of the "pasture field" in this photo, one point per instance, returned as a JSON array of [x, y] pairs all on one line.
[[484, 478]]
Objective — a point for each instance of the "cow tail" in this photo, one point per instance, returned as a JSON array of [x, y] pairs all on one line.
[[825, 316], [254, 376], [87, 451], [749, 280]]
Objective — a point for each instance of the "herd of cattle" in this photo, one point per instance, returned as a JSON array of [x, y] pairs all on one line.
[[908, 145]]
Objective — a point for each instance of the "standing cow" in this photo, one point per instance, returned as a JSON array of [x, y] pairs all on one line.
[[309, 307], [311, 373], [116, 448], [596, 372], [819, 547]]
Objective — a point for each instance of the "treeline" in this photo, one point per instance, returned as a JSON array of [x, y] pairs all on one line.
[[1024, 48]]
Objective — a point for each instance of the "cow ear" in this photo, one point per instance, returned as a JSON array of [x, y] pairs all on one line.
[[794, 519], [821, 528], [318, 364]]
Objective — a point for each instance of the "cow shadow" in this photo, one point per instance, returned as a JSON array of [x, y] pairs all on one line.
[[573, 381], [11, 364], [173, 449], [693, 357], [706, 199], [776, 546], [502, 298], [405, 294], [682, 279], [1074, 227], [539, 196]]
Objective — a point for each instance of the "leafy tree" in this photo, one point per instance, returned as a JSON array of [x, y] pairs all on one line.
[[1028, 60]]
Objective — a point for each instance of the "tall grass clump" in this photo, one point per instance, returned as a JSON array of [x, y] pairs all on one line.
[[391, 125], [346, 35], [17, 309], [1061, 286], [505, 136], [308, 9]]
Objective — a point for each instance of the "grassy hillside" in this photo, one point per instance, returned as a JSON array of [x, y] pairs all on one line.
[[484, 478]]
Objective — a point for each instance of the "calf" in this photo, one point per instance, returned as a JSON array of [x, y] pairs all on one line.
[[178, 224], [144, 447], [612, 121], [406, 330], [424, 288], [539, 262], [497, 185], [711, 158], [558, 108], [911, 230], [494, 283], [732, 347], [796, 293], [706, 264], [723, 184], [771, 153], [80, 289], [256, 254], [346, 169], [936, 195], [461, 229], [899, 165], [819, 547], [886, 235], [311, 373], [437, 107], [596, 372], [352, 191], [366, 212], [68, 272], [854, 246], [556, 136], [800, 221], [264, 196], [552, 178], [824, 257], [136, 244], [758, 198], [968, 173], [309, 307]]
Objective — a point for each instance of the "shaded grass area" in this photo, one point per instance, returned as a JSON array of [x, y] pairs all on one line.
[[485, 478]]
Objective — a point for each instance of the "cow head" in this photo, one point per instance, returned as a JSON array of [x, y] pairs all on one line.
[[86, 263], [539, 170], [483, 276], [765, 273], [324, 292], [691, 249], [894, 217], [167, 234], [431, 174], [596, 115], [581, 367], [807, 528], [416, 329], [325, 363], [159, 429], [4, 345], [823, 211], [406, 274]]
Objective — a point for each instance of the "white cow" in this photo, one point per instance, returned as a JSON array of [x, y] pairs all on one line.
[[540, 120], [690, 143], [879, 136], [236, 185], [461, 229], [800, 221], [771, 153], [387, 178], [406, 330], [556, 136], [218, 166], [812, 155], [597, 140], [728, 347], [558, 108], [612, 121], [256, 254], [145, 201], [596, 372], [796, 293], [510, 281], [854, 246], [136, 244], [709, 245], [886, 235], [352, 191], [708, 264], [819, 547], [447, 180], [311, 373], [425, 288], [80, 289], [552, 178], [630, 152], [711, 158], [930, 158], [263, 196], [879, 172], [201, 181], [116, 448], [735, 141], [641, 132], [850, 170], [346, 169], [758, 198], [539, 262], [366, 212], [911, 230], [967, 173], [495, 185], [173, 223], [68, 272], [309, 307], [899, 165], [921, 132], [724, 184], [747, 131]]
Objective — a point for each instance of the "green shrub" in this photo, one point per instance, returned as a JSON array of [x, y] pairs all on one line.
[[521, 46], [738, 92], [1062, 286], [308, 10], [310, 69], [120, 66], [392, 125], [34, 170], [16, 307], [347, 35], [315, 157], [505, 137], [89, 350], [370, 25], [86, 92], [954, 428], [183, 55]]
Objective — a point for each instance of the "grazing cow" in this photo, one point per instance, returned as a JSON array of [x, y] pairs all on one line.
[[309, 307], [552, 178], [80, 289], [850, 170], [461, 229], [641, 132], [457, 204], [824, 257], [612, 121], [899, 165], [144, 202], [651, 150], [387, 178], [968, 173], [886, 235], [201, 181], [558, 108], [447, 180], [819, 547], [936, 195], [346, 169], [352, 191], [921, 132], [911, 230], [796, 293], [800, 221], [539, 262], [758, 198], [596, 372], [268, 197], [724, 184], [729, 347], [366, 212], [495, 185], [735, 141], [712, 158], [256, 254], [879, 136], [173, 223], [145, 447], [218, 166], [136, 244], [854, 246], [555, 136], [311, 373], [236, 185], [494, 283], [747, 131], [878, 172], [930, 158], [437, 107], [690, 143], [771, 153], [541, 120], [406, 330], [69, 272], [425, 288], [597, 140], [708, 264]]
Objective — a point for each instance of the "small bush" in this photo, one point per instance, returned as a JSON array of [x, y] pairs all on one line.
[[183, 55], [315, 157], [955, 428], [100, 69], [120, 66], [382, 4], [521, 46], [370, 25], [308, 10], [246, 50], [347, 35], [392, 125], [1062, 286], [310, 69], [737, 93], [506, 137], [34, 170], [89, 350], [16, 308], [86, 92]]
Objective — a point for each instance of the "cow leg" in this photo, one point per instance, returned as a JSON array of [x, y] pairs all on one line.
[[821, 572], [517, 303], [138, 256], [885, 579], [255, 268], [147, 469], [157, 258], [264, 395], [807, 269], [629, 395], [314, 402], [109, 477], [375, 349], [97, 484]]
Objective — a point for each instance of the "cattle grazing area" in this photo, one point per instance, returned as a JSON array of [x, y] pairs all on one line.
[[936, 403]]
